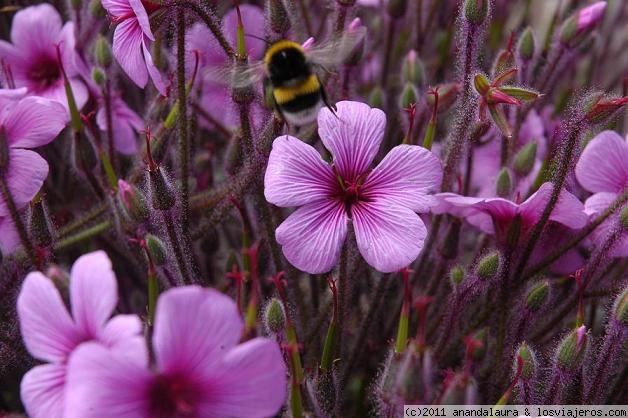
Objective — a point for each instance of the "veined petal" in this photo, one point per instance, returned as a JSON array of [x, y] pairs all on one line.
[[33, 122], [249, 382], [42, 391], [46, 326], [93, 292], [35, 28], [389, 236], [127, 48], [312, 236], [142, 18], [117, 8], [603, 165], [296, 174], [465, 207], [597, 204], [405, 177], [103, 383], [352, 136], [154, 73], [25, 176], [568, 210], [194, 327]]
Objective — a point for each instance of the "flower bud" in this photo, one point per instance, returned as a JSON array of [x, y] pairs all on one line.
[[525, 46], [505, 61], [162, 193], [96, 9], [412, 70], [40, 225], [571, 349], [397, 8], [623, 217], [133, 201], [620, 308], [537, 296], [409, 96], [377, 97], [581, 23], [524, 160], [456, 275], [488, 266], [530, 364], [447, 94], [156, 249], [102, 52], [99, 76], [479, 349], [278, 17], [499, 118], [274, 316], [520, 93], [602, 109], [481, 84], [475, 11], [503, 185], [498, 95]]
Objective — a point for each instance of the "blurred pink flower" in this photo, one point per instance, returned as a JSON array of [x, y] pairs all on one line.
[[590, 16], [381, 202], [200, 369], [603, 170], [126, 125], [132, 40], [28, 123], [32, 56], [51, 334]]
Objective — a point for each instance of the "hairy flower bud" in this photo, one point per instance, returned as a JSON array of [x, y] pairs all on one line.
[[488, 266], [620, 308], [530, 364], [377, 97], [581, 23], [161, 191], [524, 160], [412, 70], [156, 249], [481, 84], [520, 93], [503, 184], [278, 17], [409, 95], [99, 76], [475, 11], [40, 225], [597, 111], [537, 296], [274, 316], [456, 275], [102, 52], [525, 46], [447, 94], [623, 217], [133, 201], [571, 349]]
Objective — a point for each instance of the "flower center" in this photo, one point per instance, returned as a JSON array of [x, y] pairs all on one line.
[[173, 396], [45, 71]]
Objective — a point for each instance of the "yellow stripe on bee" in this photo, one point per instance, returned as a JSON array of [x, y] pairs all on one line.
[[285, 94], [278, 46]]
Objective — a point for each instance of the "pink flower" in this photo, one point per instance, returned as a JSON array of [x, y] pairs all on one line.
[[28, 123], [51, 334], [590, 16], [32, 55], [200, 369], [381, 202], [132, 40], [126, 124], [603, 170]]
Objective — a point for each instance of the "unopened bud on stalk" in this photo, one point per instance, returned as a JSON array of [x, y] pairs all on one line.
[[456, 275], [102, 52], [481, 84], [397, 8], [620, 308], [503, 185], [603, 108], [133, 201], [479, 349], [475, 11], [525, 46], [278, 17], [377, 97], [40, 225], [623, 217], [157, 249], [412, 70], [99, 76], [537, 296], [581, 23], [409, 96], [488, 266], [161, 191], [571, 349], [274, 316], [524, 160], [528, 371], [459, 389]]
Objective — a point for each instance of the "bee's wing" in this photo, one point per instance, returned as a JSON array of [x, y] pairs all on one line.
[[235, 76], [337, 49]]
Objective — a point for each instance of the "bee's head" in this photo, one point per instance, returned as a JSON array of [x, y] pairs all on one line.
[[286, 63]]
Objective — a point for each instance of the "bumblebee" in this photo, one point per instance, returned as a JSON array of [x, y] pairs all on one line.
[[292, 74]]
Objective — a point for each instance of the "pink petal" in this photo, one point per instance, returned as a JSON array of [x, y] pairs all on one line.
[[597, 204], [26, 174], [47, 329], [142, 18], [194, 327], [126, 123], [296, 174], [404, 177], [9, 97], [9, 238], [568, 211], [312, 236], [104, 383], [33, 122], [603, 165], [250, 382], [120, 328], [353, 136], [42, 391], [127, 48], [117, 8], [466, 208], [389, 236], [35, 28], [154, 73], [93, 292]]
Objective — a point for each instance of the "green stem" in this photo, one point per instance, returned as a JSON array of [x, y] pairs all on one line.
[[330, 339], [83, 235], [153, 292], [6, 195], [402, 331]]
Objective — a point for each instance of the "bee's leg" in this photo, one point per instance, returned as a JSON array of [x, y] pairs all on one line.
[[328, 104]]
